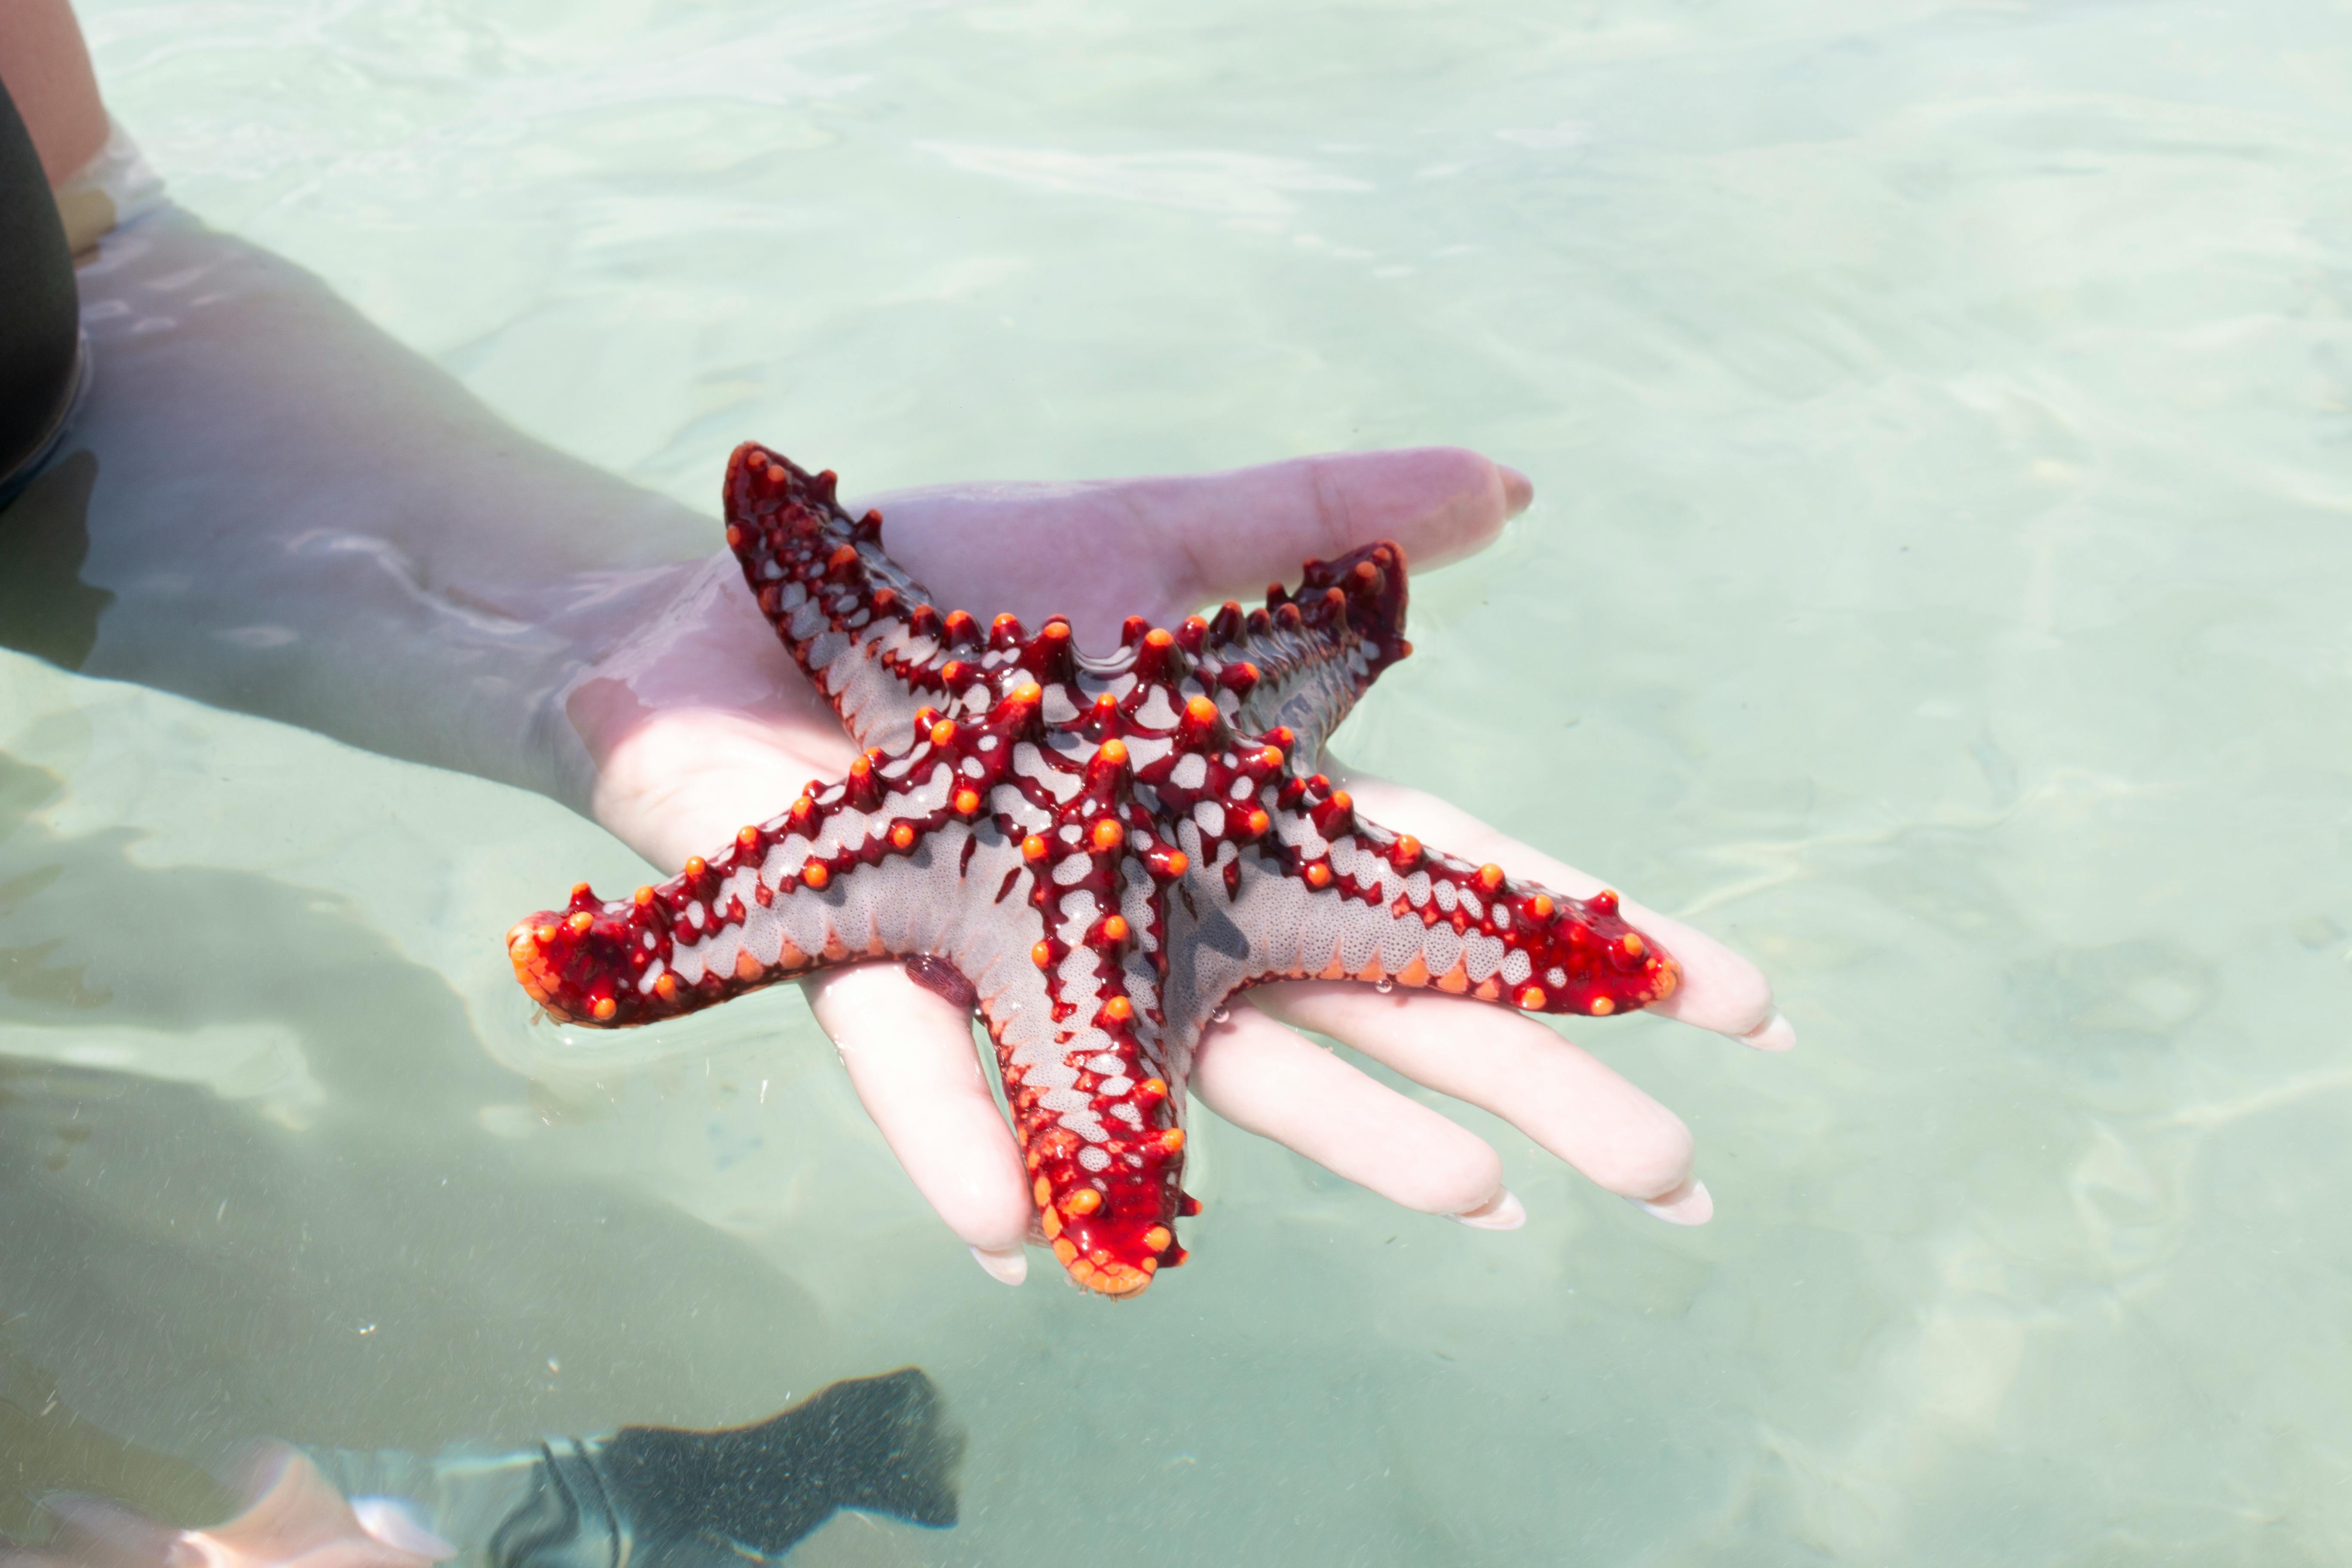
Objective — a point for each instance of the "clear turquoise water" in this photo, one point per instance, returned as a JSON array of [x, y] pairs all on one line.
[[1940, 417]]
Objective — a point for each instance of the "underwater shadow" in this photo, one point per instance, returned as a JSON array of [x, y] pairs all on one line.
[[354, 1261]]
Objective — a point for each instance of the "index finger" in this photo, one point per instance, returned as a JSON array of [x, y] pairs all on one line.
[[1719, 991], [1436, 503]]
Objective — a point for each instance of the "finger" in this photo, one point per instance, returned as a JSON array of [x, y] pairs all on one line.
[[911, 1061], [1440, 503], [1160, 547], [1720, 990], [1509, 1064], [1259, 1075]]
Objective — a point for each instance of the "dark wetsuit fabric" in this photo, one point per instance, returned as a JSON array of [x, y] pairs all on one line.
[[39, 319]]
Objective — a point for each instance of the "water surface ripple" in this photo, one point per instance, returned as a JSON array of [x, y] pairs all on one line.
[[1940, 417]]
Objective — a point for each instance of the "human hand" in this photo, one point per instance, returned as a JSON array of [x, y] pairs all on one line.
[[701, 721], [296, 1519]]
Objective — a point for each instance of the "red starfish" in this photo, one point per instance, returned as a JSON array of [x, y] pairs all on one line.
[[1094, 853]]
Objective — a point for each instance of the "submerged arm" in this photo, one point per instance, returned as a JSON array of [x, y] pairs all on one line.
[[268, 505]]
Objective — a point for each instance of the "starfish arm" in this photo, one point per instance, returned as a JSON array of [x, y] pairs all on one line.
[[864, 631], [1091, 1072], [878, 865], [1301, 662], [1330, 896], [1088, 1076]]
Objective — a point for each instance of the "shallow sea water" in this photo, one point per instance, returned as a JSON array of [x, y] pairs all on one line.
[[1941, 418]]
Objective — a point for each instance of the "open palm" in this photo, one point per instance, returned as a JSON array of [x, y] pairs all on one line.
[[701, 721]]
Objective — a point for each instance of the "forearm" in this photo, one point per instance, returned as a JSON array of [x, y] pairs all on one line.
[[290, 514]]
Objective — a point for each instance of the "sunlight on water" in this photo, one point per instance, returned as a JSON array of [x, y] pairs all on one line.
[[1940, 415]]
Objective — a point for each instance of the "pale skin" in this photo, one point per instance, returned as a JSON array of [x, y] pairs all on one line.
[[697, 721], [296, 1519]]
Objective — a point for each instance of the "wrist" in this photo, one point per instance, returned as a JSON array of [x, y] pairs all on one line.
[[687, 719]]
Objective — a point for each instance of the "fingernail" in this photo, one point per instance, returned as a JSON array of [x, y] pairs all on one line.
[[1008, 1266], [1518, 489], [1502, 1212], [1774, 1034], [1689, 1205]]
